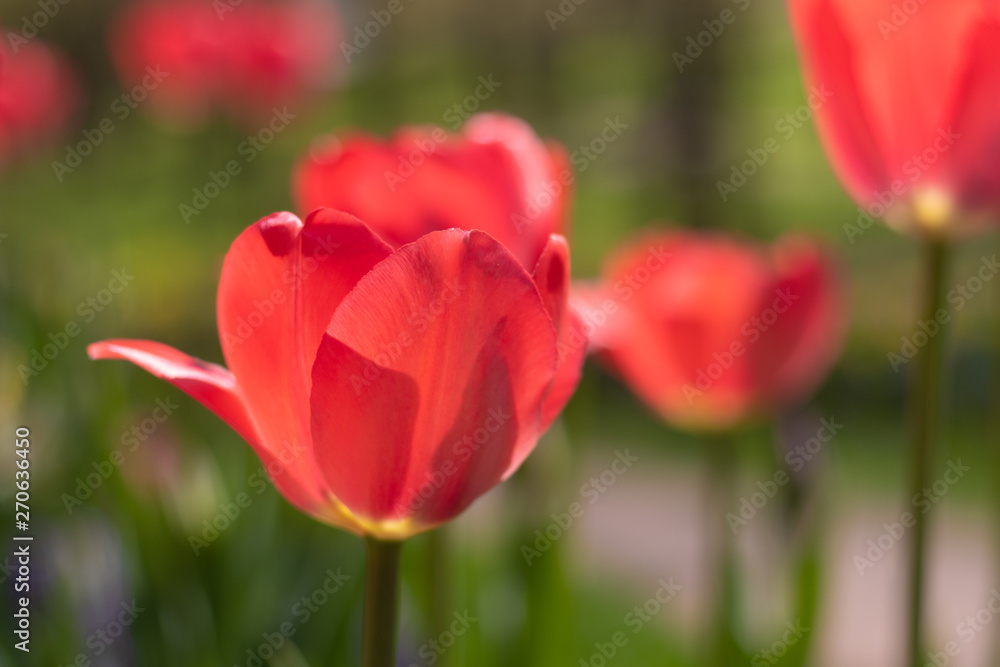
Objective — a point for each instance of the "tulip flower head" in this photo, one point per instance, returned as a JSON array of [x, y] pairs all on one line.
[[912, 124], [193, 58], [39, 97], [711, 332], [496, 174], [384, 390]]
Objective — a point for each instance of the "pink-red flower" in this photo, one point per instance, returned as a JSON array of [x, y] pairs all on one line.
[[241, 59], [495, 175], [912, 123], [711, 332], [39, 98], [385, 390]]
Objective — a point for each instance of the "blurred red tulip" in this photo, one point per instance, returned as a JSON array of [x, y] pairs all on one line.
[[913, 120], [496, 174], [711, 332], [39, 98], [384, 390], [242, 59]]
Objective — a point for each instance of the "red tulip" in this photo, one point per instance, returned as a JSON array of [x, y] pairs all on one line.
[[496, 174], [912, 123], [711, 332], [39, 97], [244, 59], [385, 390]]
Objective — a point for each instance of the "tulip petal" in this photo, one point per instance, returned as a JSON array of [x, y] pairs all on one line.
[[798, 349], [281, 282], [216, 388], [552, 278], [362, 417], [844, 121], [457, 313], [211, 385], [976, 112]]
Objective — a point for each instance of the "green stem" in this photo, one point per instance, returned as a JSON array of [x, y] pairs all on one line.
[[378, 639], [439, 580], [925, 408], [721, 455]]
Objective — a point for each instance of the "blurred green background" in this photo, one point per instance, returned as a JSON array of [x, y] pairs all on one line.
[[130, 539]]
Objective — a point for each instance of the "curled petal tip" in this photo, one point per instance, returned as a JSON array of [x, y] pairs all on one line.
[[279, 231]]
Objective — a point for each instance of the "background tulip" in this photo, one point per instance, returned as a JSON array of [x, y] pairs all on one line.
[[495, 175], [39, 98], [710, 331], [913, 128], [240, 59], [913, 120]]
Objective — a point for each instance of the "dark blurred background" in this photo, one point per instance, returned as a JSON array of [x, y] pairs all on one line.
[[685, 124]]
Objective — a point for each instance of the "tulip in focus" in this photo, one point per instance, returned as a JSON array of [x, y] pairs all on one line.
[[912, 125], [711, 332], [240, 59], [384, 390], [39, 98]]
